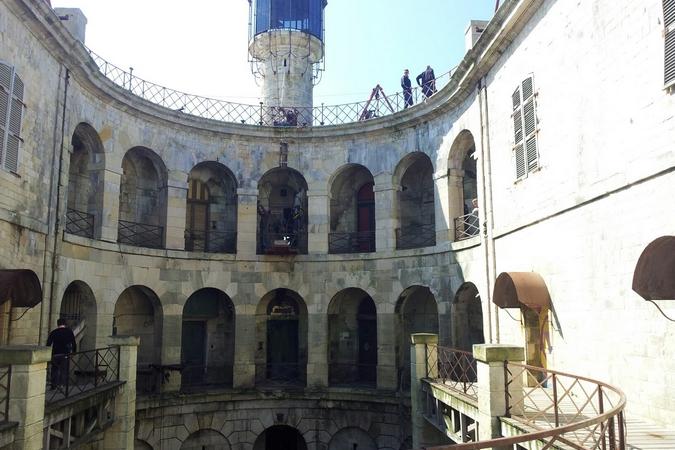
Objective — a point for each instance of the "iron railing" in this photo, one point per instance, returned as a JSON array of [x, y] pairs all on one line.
[[354, 242], [456, 369], [151, 377], [79, 223], [281, 243], [281, 116], [211, 241], [352, 374], [466, 226], [281, 374], [5, 379], [78, 373], [203, 376], [140, 234], [416, 236]]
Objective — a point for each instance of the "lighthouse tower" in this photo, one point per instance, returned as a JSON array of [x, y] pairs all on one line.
[[286, 46]]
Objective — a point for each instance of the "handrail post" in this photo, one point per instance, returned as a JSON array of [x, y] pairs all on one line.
[[555, 400], [603, 427], [261, 114], [95, 368]]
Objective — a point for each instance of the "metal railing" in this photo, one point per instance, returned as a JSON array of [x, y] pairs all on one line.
[[203, 376], [151, 377], [281, 374], [354, 242], [261, 114], [352, 374], [466, 226], [211, 241], [456, 369], [280, 243], [416, 236], [5, 380], [78, 373], [79, 223], [140, 234]]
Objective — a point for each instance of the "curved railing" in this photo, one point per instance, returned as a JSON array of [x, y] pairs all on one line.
[[553, 409], [378, 105]]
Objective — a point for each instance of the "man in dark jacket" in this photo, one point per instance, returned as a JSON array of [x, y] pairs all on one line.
[[407, 89], [62, 342], [428, 82]]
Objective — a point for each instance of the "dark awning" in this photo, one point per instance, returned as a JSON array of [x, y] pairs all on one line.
[[21, 286], [516, 289], [654, 276]]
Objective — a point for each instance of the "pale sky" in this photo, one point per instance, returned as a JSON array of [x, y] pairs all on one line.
[[200, 46]]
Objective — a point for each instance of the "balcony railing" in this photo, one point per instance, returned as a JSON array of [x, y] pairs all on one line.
[[261, 114], [466, 226], [193, 376], [282, 243], [211, 241], [5, 378], [80, 223], [352, 374], [456, 369], [78, 373], [140, 234], [281, 374], [416, 236], [354, 242]]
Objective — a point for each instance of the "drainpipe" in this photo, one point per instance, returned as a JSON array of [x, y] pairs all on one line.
[[57, 209], [486, 207]]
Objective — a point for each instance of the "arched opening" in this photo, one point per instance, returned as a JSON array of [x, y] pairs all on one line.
[[280, 437], [352, 334], [205, 440], [352, 211], [85, 183], [463, 186], [143, 197], [211, 217], [416, 312], [138, 312], [352, 438], [416, 208], [207, 345], [78, 307], [467, 318], [282, 212], [281, 325]]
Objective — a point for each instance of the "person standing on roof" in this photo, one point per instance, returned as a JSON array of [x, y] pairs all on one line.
[[427, 80], [406, 84]]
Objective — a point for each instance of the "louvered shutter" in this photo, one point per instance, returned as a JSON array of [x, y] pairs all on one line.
[[521, 170], [525, 128], [669, 58], [531, 153], [5, 84], [14, 128], [517, 127], [515, 98]]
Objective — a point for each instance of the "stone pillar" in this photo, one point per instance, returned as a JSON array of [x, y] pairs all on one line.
[[120, 435], [317, 221], [176, 210], [317, 358], [386, 214], [247, 222], [424, 434], [443, 220], [27, 392], [244, 346], [386, 352], [111, 205], [491, 385], [455, 193], [172, 329]]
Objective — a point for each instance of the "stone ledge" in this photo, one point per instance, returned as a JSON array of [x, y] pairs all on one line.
[[24, 354], [488, 353]]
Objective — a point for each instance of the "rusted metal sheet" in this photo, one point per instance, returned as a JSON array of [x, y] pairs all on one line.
[[654, 276], [21, 286], [516, 289]]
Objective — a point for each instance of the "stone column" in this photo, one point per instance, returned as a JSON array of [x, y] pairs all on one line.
[[424, 434], [244, 346], [172, 329], [111, 205], [317, 221], [491, 385], [176, 210], [386, 213], [455, 195], [386, 352], [247, 222], [120, 435], [317, 357], [27, 392]]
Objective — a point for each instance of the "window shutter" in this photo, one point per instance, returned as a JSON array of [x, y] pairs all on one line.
[[525, 128], [520, 161], [515, 97], [668, 12], [517, 126], [14, 132], [528, 88], [669, 53], [5, 83], [532, 155], [529, 117]]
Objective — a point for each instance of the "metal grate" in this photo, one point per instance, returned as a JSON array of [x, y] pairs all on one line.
[[354, 242], [5, 378], [455, 369], [416, 236], [281, 374], [140, 234], [352, 374], [466, 226], [211, 241], [80, 223]]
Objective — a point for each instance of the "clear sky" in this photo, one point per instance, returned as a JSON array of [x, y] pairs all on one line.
[[200, 46]]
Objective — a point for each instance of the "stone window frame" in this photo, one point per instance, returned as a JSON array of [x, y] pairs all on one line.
[[669, 44], [525, 128], [11, 100]]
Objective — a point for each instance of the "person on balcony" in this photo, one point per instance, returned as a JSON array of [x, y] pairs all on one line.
[[473, 221], [62, 342], [406, 85], [427, 80]]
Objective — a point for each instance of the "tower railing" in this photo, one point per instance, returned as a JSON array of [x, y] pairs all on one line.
[[260, 114]]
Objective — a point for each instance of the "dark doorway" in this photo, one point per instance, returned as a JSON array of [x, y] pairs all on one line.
[[282, 348], [367, 319], [280, 437], [365, 220], [194, 351]]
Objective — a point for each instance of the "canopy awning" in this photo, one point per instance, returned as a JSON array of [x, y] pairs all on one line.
[[654, 276], [516, 289], [21, 286]]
